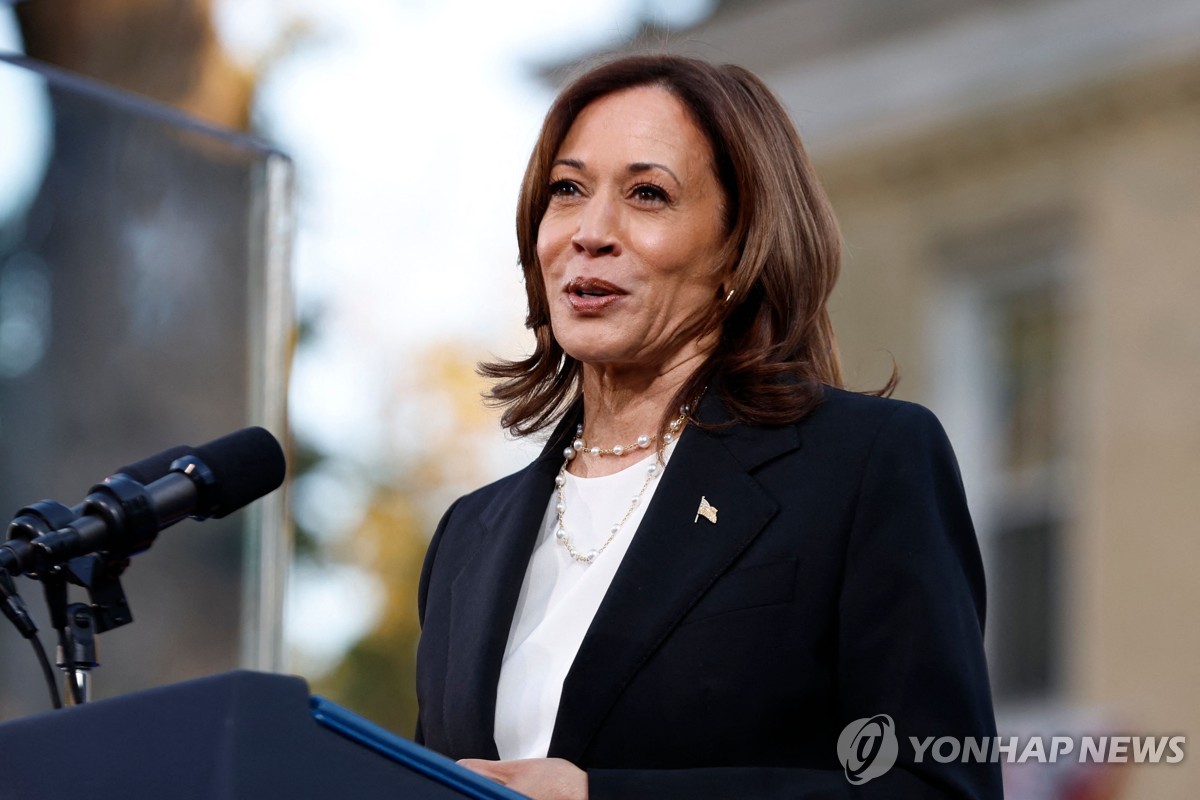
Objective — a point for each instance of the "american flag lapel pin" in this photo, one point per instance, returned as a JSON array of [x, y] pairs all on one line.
[[706, 510]]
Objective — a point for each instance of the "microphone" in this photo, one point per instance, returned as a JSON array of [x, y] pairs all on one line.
[[123, 515], [148, 470], [46, 516]]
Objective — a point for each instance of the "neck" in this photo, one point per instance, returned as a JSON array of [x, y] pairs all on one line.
[[621, 404]]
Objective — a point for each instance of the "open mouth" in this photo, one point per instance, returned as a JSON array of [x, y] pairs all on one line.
[[591, 295], [592, 287]]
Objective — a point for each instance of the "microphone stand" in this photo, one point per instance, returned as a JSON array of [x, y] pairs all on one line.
[[76, 623], [54, 587], [77, 652], [79, 623]]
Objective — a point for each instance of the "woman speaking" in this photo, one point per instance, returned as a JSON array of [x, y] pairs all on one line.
[[721, 559]]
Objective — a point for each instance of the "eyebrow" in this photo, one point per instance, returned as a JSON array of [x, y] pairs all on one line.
[[634, 168]]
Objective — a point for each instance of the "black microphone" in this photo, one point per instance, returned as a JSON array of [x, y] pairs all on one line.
[[148, 470], [46, 516], [122, 516]]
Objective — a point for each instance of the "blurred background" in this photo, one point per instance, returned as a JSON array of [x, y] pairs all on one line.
[[300, 214]]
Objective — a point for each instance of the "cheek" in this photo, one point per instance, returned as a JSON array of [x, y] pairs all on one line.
[[548, 269], [687, 271], [552, 238]]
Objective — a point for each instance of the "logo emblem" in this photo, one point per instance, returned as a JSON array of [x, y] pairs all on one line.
[[709, 512], [867, 748]]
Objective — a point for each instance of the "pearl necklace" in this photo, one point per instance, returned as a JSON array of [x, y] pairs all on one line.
[[642, 442], [652, 472]]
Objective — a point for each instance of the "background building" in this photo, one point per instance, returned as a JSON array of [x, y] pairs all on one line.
[[1018, 186]]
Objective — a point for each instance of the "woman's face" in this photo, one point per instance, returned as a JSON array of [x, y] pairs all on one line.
[[629, 243]]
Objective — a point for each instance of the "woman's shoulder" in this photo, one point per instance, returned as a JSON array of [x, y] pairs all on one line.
[[847, 416], [860, 407]]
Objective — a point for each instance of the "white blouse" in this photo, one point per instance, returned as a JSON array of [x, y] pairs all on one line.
[[559, 597]]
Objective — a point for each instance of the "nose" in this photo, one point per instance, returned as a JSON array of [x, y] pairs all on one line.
[[599, 227]]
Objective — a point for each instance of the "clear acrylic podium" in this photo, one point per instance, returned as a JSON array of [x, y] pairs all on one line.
[[144, 303]]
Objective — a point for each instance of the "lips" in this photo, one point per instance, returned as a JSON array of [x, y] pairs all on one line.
[[592, 295]]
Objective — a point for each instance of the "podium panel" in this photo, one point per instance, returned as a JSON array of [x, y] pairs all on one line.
[[235, 736]]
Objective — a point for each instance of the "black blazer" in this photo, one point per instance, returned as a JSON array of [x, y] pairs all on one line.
[[841, 580]]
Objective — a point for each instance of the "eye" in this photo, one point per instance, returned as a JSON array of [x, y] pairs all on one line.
[[564, 188], [650, 193]]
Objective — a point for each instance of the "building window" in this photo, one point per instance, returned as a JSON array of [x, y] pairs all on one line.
[[998, 332]]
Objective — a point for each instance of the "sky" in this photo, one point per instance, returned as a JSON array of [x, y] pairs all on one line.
[[409, 124]]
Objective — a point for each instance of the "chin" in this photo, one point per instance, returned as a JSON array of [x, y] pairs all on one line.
[[593, 352], [592, 341], [586, 355]]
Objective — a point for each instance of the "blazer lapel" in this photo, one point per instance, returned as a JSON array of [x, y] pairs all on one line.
[[484, 597], [670, 564]]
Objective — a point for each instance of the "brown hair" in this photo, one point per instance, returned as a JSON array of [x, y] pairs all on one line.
[[776, 345]]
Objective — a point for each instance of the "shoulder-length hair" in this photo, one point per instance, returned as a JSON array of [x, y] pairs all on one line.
[[776, 345]]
